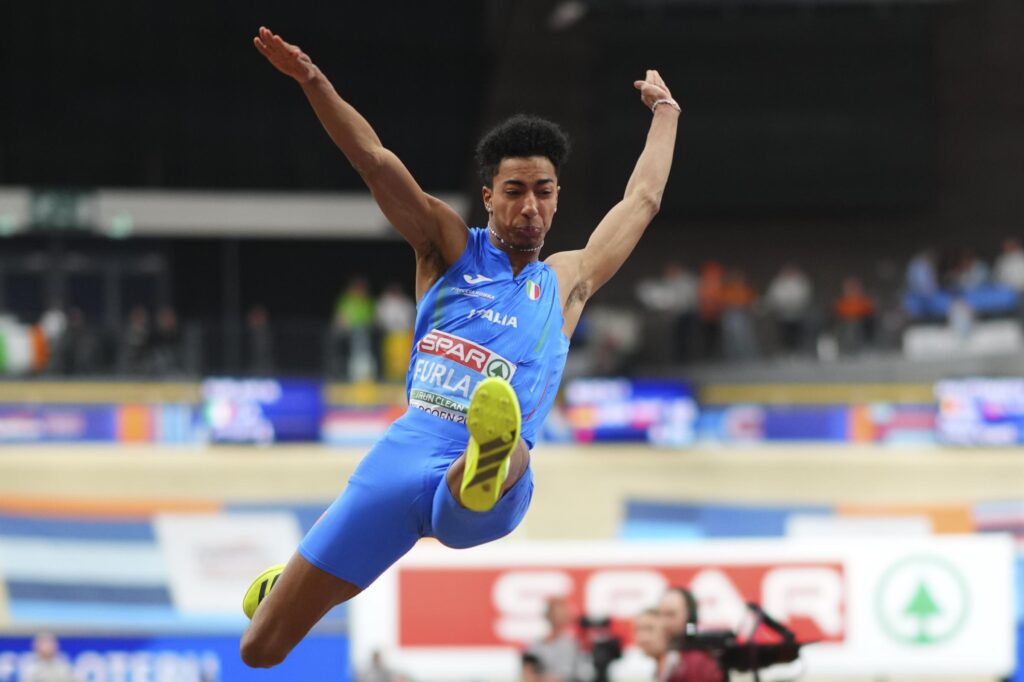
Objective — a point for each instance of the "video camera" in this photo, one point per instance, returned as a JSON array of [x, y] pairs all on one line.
[[604, 646], [745, 655]]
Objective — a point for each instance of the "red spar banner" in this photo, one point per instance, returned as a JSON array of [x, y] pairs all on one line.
[[504, 606]]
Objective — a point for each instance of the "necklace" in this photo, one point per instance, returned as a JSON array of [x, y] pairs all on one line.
[[510, 246]]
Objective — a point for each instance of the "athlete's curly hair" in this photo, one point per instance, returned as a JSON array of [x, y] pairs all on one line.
[[518, 137]]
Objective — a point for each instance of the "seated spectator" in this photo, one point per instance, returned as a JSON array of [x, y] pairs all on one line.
[[1009, 270], [377, 671], [396, 316], [651, 637], [672, 301], [970, 273], [136, 342], [557, 657], [48, 664], [165, 356], [923, 299], [789, 300], [679, 619], [855, 314], [80, 345], [352, 333], [737, 299], [709, 308], [260, 342], [922, 277]]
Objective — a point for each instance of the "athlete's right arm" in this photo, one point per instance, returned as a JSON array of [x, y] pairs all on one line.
[[427, 223]]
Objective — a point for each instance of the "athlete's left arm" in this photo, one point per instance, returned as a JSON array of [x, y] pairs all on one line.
[[617, 234]]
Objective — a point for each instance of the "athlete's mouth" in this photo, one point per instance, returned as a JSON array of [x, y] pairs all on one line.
[[529, 230]]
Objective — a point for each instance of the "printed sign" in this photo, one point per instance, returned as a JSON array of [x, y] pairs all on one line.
[[873, 606]]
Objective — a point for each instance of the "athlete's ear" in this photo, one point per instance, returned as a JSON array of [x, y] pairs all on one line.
[[486, 192]]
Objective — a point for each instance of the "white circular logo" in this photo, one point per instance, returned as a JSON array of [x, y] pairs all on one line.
[[922, 600]]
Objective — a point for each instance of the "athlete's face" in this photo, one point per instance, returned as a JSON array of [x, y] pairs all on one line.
[[522, 200]]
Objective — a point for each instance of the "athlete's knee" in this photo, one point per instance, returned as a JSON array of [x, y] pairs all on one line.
[[260, 652]]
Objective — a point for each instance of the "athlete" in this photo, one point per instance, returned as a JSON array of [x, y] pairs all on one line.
[[492, 329]]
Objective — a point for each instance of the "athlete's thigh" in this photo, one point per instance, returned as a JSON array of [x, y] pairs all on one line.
[[383, 511], [300, 598], [459, 528]]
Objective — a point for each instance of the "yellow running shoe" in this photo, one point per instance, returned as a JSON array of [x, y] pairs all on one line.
[[260, 588], [494, 422]]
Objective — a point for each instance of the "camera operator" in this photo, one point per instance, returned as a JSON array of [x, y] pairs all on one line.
[[651, 638], [557, 657], [678, 612]]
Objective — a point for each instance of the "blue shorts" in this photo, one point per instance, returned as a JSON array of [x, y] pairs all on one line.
[[398, 494]]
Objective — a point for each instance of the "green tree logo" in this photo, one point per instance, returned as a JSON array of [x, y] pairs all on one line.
[[922, 607], [499, 368], [922, 600]]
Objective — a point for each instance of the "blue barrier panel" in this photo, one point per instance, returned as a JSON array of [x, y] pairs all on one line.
[[179, 659]]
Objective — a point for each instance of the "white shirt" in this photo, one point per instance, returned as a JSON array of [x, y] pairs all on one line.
[[395, 313], [789, 295], [1010, 270]]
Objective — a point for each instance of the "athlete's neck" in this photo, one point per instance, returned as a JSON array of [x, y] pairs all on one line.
[[517, 256]]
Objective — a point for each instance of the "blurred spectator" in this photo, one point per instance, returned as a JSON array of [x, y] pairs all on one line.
[[672, 299], [377, 671], [709, 305], [737, 299], [54, 323], [259, 341], [922, 277], [970, 273], [651, 637], [48, 664], [80, 346], [855, 314], [165, 354], [789, 300], [396, 316], [923, 299], [556, 657], [1009, 267], [679, 618], [961, 318], [135, 342], [352, 333]]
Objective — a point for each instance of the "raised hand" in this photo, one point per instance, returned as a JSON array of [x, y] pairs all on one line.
[[652, 88], [286, 58]]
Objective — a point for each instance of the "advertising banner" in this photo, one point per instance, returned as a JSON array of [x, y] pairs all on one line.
[[176, 659], [939, 606], [662, 412], [58, 423], [212, 558], [981, 411], [262, 411]]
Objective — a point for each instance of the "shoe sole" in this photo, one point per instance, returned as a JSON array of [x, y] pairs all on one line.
[[259, 589], [494, 422]]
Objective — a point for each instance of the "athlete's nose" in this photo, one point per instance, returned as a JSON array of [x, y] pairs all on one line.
[[530, 206]]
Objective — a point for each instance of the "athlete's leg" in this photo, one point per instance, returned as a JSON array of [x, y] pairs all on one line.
[[300, 598], [381, 513], [494, 423], [486, 491], [518, 464]]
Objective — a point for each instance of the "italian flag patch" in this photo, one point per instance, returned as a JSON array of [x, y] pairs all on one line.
[[532, 290]]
